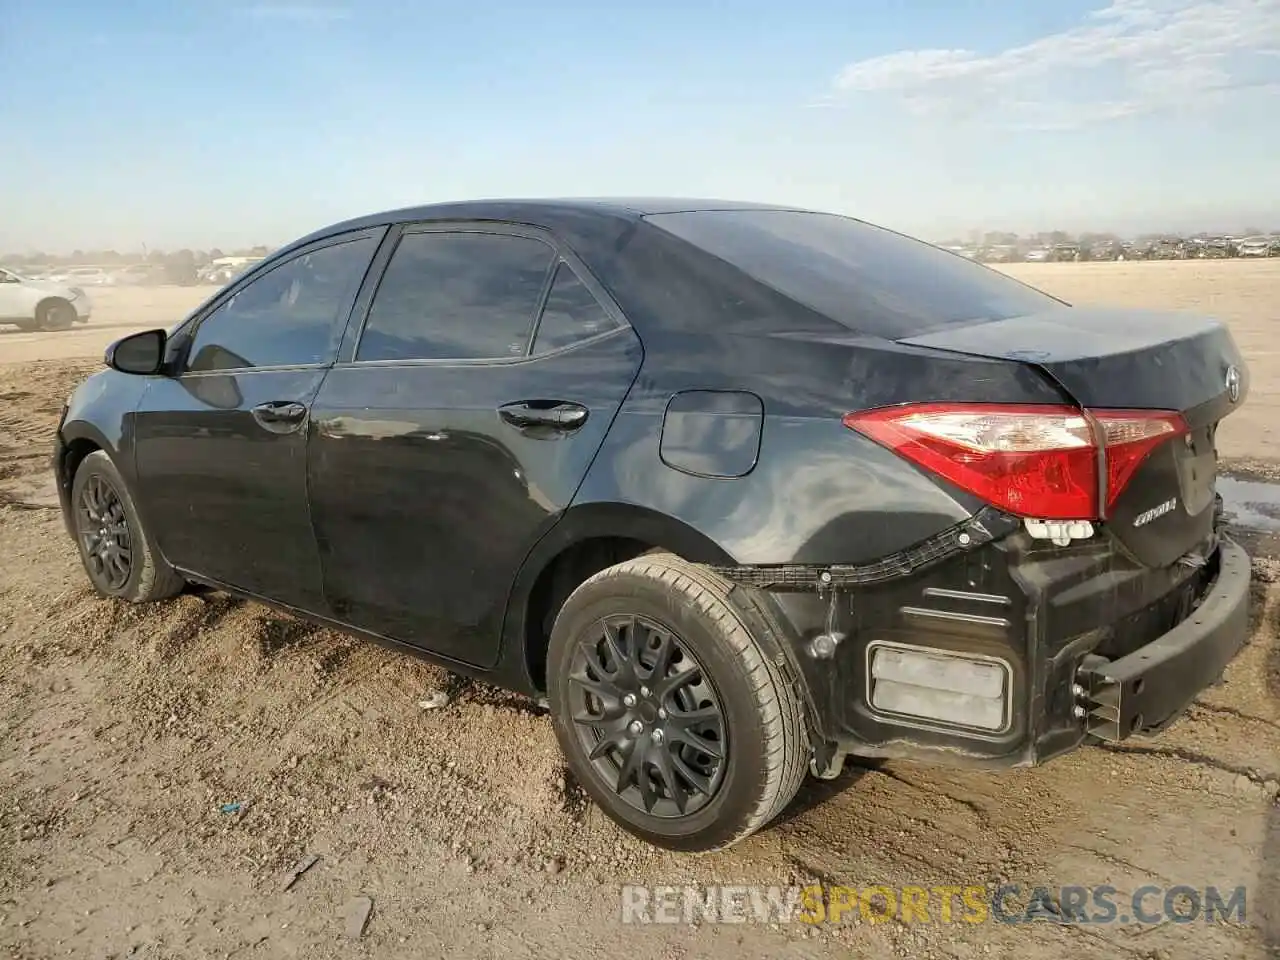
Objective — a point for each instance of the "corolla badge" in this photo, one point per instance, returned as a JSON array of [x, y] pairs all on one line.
[[1233, 384], [1146, 516]]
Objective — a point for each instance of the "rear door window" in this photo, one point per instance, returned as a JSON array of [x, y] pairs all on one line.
[[457, 296], [867, 278]]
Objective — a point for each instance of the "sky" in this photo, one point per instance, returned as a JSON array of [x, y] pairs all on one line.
[[177, 123]]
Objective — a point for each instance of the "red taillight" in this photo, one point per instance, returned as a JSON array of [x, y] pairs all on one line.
[[1033, 461], [1130, 436]]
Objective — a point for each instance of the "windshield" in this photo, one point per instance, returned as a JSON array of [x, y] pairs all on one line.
[[870, 279]]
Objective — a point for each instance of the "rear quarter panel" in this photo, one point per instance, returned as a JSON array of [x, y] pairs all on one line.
[[817, 491]]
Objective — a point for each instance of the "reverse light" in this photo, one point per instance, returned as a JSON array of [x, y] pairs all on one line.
[[1038, 461], [938, 686]]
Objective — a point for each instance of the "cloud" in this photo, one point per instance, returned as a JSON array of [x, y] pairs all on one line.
[[297, 12], [1129, 58]]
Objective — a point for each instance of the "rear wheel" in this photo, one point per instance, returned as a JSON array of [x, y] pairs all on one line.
[[55, 315], [114, 547], [671, 714]]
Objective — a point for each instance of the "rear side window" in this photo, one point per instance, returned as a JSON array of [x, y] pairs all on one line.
[[867, 278], [457, 296], [572, 314]]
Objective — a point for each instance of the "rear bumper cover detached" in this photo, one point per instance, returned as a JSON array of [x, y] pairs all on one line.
[[1149, 688], [1098, 647]]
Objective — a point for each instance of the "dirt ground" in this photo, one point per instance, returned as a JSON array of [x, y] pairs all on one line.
[[124, 731]]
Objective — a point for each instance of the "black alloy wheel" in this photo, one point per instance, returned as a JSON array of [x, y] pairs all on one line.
[[671, 699], [104, 535], [647, 717], [115, 548]]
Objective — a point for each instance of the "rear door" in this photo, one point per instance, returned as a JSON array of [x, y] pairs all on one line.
[[221, 445], [458, 428]]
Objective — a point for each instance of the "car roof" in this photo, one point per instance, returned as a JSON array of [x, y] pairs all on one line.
[[549, 212]]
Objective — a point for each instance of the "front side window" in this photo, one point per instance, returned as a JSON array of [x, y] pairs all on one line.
[[457, 296], [572, 313], [292, 315]]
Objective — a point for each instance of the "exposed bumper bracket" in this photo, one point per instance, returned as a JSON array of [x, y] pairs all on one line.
[[986, 525], [1149, 688]]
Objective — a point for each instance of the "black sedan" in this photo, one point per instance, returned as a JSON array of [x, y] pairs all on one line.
[[741, 490]]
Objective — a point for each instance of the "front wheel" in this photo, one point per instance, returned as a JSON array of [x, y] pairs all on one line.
[[55, 315], [671, 714], [114, 547]]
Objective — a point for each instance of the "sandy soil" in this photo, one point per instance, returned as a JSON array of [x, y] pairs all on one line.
[[124, 730]]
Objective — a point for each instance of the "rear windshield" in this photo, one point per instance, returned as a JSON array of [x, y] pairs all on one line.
[[867, 278]]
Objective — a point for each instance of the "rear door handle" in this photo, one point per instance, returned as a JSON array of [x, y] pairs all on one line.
[[558, 415], [280, 416]]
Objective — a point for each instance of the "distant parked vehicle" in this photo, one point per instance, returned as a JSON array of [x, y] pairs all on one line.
[[1102, 250], [226, 269], [999, 253], [31, 304], [1039, 255], [1212, 248], [1168, 249], [1066, 252], [1255, 247], [83, 276], [140, 273]]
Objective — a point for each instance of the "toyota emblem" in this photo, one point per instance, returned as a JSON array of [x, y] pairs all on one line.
[[1233, 384]]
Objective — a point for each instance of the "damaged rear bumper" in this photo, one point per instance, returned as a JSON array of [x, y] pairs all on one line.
[[1149, 688], [1091, 644]]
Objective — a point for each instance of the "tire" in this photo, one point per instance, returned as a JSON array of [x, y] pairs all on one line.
[[55, 314], [761, 731], [100, 501]]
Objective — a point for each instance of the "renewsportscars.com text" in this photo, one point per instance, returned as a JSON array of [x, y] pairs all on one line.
[[967, 904]]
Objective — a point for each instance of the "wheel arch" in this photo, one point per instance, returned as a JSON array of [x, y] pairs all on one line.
[[80, 438], [586, 540]]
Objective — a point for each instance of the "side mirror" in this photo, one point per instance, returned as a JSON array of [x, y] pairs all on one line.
[[140, 353]]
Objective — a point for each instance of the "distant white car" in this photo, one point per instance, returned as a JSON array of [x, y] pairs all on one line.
[[1038, 255], [1254, 247], [41, 304], [87, 276]]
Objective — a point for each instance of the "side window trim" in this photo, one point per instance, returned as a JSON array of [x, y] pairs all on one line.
[[189, 327], [605, 302], [562, 255]]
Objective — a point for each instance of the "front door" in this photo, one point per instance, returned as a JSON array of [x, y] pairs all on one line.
[[221, 445], [456, 433]]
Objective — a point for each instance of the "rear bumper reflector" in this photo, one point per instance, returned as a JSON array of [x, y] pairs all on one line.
[[938, 687]]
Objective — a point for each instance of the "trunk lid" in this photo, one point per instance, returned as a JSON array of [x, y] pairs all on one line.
[[1133, 360]]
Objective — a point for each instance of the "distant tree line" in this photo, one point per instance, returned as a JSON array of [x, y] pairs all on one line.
[[104, 258]]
